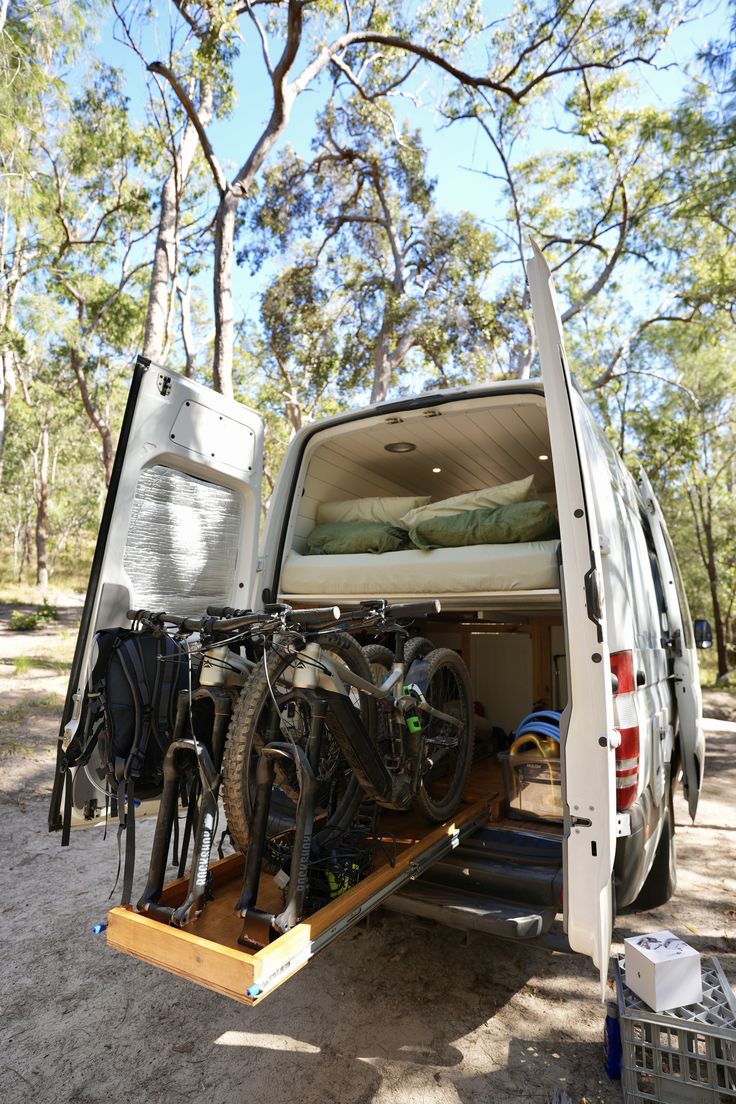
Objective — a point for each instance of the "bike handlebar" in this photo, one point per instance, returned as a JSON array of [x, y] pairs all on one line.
[[244, 618]]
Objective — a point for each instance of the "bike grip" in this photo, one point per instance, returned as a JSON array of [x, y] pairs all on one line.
[[159, 616], [315, 616], [414, 609]]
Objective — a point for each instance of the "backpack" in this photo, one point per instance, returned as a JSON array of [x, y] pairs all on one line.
[[131, 711]]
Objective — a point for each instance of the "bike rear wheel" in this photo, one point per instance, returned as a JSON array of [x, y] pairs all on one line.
[[448, 750], [257, 721]]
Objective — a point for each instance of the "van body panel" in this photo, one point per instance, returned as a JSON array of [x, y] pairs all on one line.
[[688, 695], [180, 525], [588, 735]]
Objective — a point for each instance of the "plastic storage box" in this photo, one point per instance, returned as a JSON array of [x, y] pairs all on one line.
[[684, 1056], [532, 786]]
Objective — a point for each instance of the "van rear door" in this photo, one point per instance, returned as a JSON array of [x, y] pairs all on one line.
[[688, 695], [588, 735], [179, 528]]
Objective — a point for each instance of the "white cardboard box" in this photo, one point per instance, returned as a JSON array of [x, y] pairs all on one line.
[[663, 970]]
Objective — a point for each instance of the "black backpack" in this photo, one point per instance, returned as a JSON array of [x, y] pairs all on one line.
[[131, 711]]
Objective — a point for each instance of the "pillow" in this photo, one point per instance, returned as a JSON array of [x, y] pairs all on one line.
[[386, 510], [355, 536], [501, 495], [521, 521]]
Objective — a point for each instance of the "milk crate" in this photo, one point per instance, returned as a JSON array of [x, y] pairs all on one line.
[[684, 1056]]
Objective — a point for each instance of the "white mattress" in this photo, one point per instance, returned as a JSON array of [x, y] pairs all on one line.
[[475, 569]]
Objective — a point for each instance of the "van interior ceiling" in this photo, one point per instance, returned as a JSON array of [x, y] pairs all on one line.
[[473, 443]]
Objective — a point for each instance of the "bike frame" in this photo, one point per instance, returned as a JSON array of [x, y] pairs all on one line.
[[322, 683]]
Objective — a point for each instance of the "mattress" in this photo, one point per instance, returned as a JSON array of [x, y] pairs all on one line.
[[474, 569]]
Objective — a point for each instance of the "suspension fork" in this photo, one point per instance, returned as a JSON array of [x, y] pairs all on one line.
[[260, 927], [209, 778]]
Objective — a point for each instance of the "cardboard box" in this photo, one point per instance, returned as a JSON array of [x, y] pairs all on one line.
[[663, 970]]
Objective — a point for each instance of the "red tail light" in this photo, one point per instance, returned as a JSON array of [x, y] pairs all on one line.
[[622, 666], [627, 753]]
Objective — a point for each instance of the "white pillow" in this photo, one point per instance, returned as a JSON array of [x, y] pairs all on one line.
[[502, 495], [386, 510]]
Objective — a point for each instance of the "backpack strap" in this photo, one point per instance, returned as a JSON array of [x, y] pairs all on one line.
[[67, 819], [135, 672], [164, 687]]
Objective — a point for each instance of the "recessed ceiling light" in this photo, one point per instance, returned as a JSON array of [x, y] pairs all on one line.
[[400, 446], [544, 456], [436, 469]]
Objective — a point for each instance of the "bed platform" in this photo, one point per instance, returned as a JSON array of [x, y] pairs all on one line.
[[517, 573]]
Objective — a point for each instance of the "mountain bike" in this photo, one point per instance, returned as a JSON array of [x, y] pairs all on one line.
[[193, 760], [306, 708]]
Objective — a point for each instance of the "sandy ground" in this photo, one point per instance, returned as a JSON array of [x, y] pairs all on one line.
[[404, 1011]]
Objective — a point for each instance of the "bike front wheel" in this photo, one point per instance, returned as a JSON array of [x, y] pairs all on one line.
[[447, 749], [258, 719]]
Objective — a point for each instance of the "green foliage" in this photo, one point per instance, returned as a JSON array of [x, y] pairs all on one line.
[[376, 275], [23, 622]]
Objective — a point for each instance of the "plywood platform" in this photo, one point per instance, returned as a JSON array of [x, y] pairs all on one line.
[[207, 951]]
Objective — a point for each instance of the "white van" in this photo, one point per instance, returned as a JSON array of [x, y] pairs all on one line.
[[594, 624]]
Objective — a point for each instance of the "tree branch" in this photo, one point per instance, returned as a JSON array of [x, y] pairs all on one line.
[[162, 70]]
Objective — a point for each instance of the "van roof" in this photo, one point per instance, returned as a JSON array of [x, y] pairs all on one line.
[[428, 398]]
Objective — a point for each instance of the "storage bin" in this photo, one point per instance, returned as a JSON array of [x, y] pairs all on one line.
[[684, 1056], [532, 785]]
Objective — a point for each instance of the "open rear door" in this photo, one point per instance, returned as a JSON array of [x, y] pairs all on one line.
[[684, 655], [179, 529], [588, 737]]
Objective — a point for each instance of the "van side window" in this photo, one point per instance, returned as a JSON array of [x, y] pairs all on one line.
[[656, 573], [687, 624]]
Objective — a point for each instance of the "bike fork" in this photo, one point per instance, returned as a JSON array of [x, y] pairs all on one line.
[[209, 778], [259, 927]]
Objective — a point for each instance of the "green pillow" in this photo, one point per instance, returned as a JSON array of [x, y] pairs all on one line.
[[520, 521], [355, 536]]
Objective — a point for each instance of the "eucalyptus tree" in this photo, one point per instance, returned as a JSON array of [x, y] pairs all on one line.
[[378, 48], [376, 278], [37, 41], [682, 423], [98, 225]]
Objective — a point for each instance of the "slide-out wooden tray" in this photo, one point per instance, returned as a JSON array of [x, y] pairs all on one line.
[[207, 951]]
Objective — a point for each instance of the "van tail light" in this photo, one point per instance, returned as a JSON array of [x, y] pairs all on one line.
[[622, 666], [627, 753]]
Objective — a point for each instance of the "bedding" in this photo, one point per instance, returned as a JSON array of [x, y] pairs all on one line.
[[388, 510], [473, 569], [516, 523], [355, 536], [501, 495]]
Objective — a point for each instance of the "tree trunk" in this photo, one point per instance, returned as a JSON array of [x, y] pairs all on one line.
[[94, 415], [381, 367], [7, 387], [712, 569], [222, 366], [26, 547], [108, 452], [42, 508], [165, 257]]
